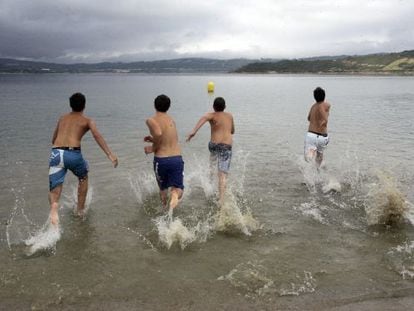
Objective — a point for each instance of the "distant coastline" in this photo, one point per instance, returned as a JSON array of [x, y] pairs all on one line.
[[382, 64]]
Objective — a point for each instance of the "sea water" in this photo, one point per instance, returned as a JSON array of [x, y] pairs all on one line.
[[288, 236]]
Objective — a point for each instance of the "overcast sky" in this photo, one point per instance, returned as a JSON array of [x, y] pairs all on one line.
[[134, 30]]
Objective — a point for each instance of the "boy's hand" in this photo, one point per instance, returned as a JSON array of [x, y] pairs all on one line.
[[114, 159], [148, 139], [148, 149], [191, 135]]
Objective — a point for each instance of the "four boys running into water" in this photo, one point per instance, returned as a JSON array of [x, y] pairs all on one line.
[[168, 163]]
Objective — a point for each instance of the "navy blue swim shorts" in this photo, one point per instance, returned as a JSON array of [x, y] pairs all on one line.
[[169, 172]]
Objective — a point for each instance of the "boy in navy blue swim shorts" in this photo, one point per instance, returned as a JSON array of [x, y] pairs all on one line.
[[168, 163], [66, 154]]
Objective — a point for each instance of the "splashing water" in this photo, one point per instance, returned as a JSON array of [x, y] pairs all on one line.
[[70, 200], [44, 240], [315, 177], [172, 230], [142, 184], [257, 280], [385, 203], [19, 225], [307, 284], [401, 259], [250, 277], [230, 217], [197, 223]]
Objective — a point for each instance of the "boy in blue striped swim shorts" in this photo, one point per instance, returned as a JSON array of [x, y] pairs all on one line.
[[66, 154], [220, 145]]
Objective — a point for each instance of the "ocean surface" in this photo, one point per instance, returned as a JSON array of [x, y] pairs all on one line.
[[288, 237]]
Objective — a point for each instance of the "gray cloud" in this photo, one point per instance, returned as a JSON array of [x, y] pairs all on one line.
[[128, 30]]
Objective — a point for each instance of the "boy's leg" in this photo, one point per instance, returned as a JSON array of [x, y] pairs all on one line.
[[319, 158], [213, 165], [163, 197], [176, 195], [222, 181], [54, 196], [82, 192]]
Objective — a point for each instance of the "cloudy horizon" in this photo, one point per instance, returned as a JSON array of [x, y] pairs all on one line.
[[72, 31]]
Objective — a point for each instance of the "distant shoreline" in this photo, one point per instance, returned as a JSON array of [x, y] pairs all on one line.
[[328, 73]]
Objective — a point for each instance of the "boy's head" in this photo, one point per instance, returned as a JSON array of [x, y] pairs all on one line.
[[77, 102], [219, 104], [319, 94], [162, 103]]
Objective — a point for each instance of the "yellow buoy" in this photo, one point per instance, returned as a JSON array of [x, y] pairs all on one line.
[[210, 87]]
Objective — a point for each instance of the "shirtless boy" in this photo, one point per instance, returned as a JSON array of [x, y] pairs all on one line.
[[220, 145], [317, 138], [66, 154], [168, 163]]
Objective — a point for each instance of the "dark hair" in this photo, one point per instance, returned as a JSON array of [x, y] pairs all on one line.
[[162, 103], [319, 94], [219, 104], [77, 102]]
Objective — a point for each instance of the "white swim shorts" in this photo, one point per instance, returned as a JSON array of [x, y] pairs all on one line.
[[315, 142]]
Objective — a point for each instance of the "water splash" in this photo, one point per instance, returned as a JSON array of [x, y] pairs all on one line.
[[173, 231], [19, 226], [305, 284], [142, 184], [256, 280], [196, 223], [44, 239], [230, 217], [401, 259], [250, 277], [316, 178], [385, 204]]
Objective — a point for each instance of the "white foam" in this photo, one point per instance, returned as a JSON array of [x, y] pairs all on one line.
[[172, 231], [142, 184], [230, 217], [44, 239]]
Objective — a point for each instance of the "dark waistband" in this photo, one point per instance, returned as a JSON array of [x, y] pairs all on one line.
[[220, 145], [68, 148], [319, 134], [167, 158]]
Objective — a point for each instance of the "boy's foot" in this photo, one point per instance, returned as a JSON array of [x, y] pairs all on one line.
[[80, 213]]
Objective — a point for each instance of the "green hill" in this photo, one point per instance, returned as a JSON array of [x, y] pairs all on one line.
[[385, 63], [182, 65]]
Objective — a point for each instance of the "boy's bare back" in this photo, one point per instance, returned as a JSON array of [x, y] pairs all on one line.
[[318, 117], [70, 130], [222, 127], [164, 133]]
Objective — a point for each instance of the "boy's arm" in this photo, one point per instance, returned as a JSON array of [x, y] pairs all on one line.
[[200, 123], [232, 125], [325, 115], [156, 132], [102, 143]]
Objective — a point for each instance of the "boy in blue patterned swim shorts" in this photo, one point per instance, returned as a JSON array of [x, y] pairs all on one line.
[[168, 163], [220, 145], [66, 154]]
